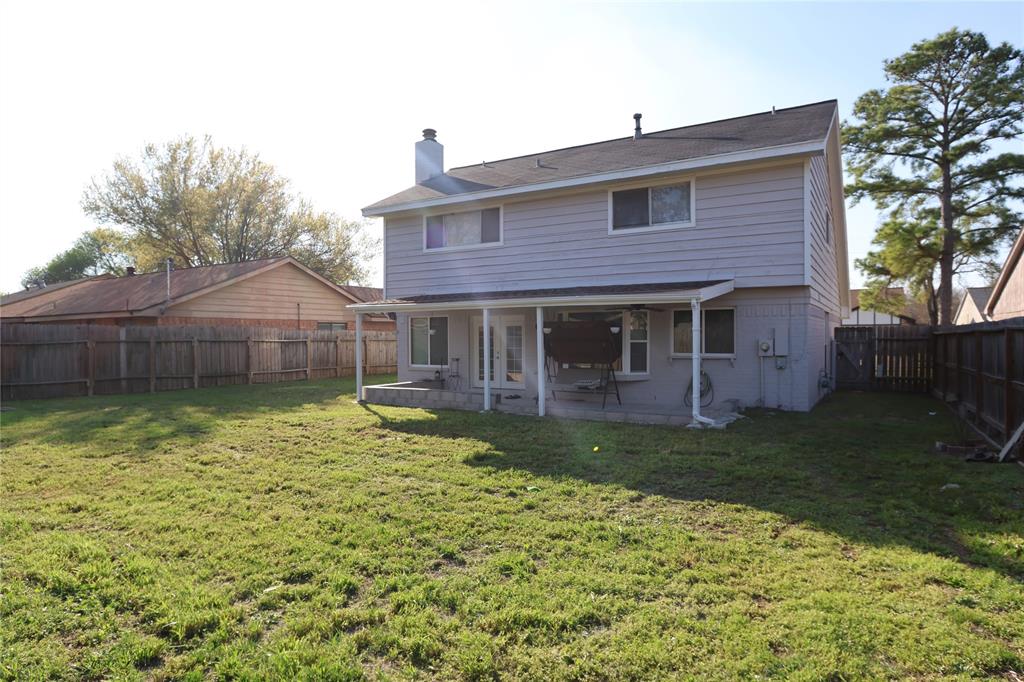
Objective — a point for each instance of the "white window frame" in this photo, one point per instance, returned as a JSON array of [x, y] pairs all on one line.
[[703, 331], [658, 227], [626, 333], [408, 327], [468, 247]]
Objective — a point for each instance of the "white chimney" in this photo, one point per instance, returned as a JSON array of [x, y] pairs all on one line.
[[429, 156]]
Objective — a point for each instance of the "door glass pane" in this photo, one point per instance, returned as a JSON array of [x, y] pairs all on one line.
[[514, 354], [439, 341], [480, 353], [670, 204], [638, 357], [419, 340]]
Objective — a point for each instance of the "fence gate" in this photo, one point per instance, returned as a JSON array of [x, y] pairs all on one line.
[[884, 358], [855, 352]]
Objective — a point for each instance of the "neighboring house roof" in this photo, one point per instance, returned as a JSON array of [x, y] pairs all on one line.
[[147, 294], [1013, 262], [910, 310], [48, 289], [976, 296], [792, 126], [364, 294]]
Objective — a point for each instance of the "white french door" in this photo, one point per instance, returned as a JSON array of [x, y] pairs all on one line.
[[507, 346]]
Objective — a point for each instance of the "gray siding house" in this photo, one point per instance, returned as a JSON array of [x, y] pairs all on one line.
[[718, 247]]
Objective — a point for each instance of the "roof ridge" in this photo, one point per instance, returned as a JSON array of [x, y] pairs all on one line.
[[656, 132], [211, 265]]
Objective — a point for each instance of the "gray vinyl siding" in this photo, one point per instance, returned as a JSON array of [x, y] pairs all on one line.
[[823, 272], [749, 227]]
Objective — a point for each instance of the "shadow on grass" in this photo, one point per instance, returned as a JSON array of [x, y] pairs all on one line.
[[141, 423], [860, 466]]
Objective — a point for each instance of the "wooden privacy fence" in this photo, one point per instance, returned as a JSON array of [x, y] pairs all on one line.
[[45, 361], [884, 358], [980, 368]]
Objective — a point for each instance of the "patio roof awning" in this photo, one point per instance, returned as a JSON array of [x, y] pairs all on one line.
[[611, 295]]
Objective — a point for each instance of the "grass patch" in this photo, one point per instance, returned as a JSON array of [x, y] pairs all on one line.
[[286, 532]]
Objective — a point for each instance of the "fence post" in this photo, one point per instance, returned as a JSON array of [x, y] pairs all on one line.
[[152, 364], [366, 357], [248, 359], [195, 362], [958, 371], [90, 347], [337, 356], [309, 358], [979, 378], [1007, 384], [122, 347]]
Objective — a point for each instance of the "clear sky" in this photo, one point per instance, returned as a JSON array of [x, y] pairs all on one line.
[[335, 94]]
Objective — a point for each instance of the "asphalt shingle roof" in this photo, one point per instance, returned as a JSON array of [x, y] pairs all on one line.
[[806, 123], [129, 294]]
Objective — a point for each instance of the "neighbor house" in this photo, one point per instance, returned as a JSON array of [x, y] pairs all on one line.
[[972, 306], [631, 263], [906, 310], [276, 292], [1007, 298]]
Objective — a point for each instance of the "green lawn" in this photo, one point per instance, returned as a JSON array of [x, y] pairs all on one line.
[[286, 532]]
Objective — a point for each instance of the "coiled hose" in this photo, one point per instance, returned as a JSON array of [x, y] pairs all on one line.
[[707, 391]]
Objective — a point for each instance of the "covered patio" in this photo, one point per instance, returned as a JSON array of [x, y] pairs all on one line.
[[576, 352]]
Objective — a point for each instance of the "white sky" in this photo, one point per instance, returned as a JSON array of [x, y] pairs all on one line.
[[334, 95]]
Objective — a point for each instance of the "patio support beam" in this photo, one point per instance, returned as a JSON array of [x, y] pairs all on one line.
[[695, 357], [487, 359], [359, 357], [541, 364]]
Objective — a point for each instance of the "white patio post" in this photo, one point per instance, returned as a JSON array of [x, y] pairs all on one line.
[[695, 369], [487, 359], [359, 357], [541, 365]]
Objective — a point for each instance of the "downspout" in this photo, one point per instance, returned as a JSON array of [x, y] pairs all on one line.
[[698, 420]]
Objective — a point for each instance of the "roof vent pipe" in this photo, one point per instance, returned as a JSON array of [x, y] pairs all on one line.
[[637, 134]]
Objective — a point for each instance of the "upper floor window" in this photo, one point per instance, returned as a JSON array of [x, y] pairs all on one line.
[[462, 230], [652, 207]]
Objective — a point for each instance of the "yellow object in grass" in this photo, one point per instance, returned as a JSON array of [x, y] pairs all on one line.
[[597, 448]]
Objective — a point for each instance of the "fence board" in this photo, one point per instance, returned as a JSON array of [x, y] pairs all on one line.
[[979, 368], [44, 361]]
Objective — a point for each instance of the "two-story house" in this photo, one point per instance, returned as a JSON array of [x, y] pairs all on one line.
[[613, 273]]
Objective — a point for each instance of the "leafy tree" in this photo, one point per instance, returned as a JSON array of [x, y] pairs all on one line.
[[909, 250], [924, 147], [96, 252], [203, 204]]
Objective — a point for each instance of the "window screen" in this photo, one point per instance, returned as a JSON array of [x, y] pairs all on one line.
[[470, 228], [652, 206], [630, 208], [718, 332]]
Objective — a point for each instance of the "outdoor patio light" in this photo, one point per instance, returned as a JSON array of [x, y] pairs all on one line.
[[616, 330], [547, 330]]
